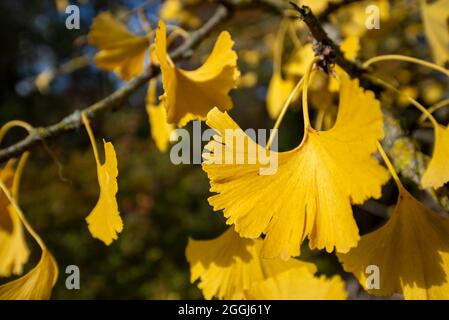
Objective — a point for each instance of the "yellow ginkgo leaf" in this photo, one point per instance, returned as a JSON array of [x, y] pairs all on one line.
[[174, 10], [278, 91], [435, 15], [104, 221], [298, 284], [248, 80], [437, 173], [120, 51], [411, 252], [191, 94], [229, 265], [297, 64], [38, 283], [157, 116], [14, 252], [350, 47], [314, 186]]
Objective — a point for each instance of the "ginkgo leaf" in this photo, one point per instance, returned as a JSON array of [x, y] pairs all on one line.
[[157, 117], [104, 221], [437, 172], [301, 58], [229, 265], [120, 51], [173, 10], [435, 15], [411, 252], [191, 94], [38, 283], [14, 251], [298, 284], [350, 47], [278, 91], [314, 186]]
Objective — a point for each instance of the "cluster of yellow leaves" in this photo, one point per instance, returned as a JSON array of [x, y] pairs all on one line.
[[188, 95], [315, 184], [104, 223], [311, 194], [38, 282], [230, 267]]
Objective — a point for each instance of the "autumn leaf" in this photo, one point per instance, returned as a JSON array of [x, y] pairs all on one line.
[[411, 251], [435, 16], [298, 284], [191, 94], [14, 251], [120, 51], [311, 193], [278, 91], [157, 117], [38, 283], [350, 47], [229, 265], [437, 172], [297, 64], [104, 221]]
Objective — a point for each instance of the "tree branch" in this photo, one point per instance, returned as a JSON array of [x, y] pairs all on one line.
[[115, 99]]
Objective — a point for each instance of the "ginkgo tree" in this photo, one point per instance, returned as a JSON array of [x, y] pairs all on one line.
[[340, 161]]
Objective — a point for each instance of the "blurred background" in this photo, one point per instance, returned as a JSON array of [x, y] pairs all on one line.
[[162, 204]]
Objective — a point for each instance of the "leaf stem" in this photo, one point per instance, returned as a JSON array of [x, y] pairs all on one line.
[[91, 137], [390, 167], [284, 111], [22, 216], [398, 57], [419, 106], [14, 123], [435, 107], [305, 106]]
